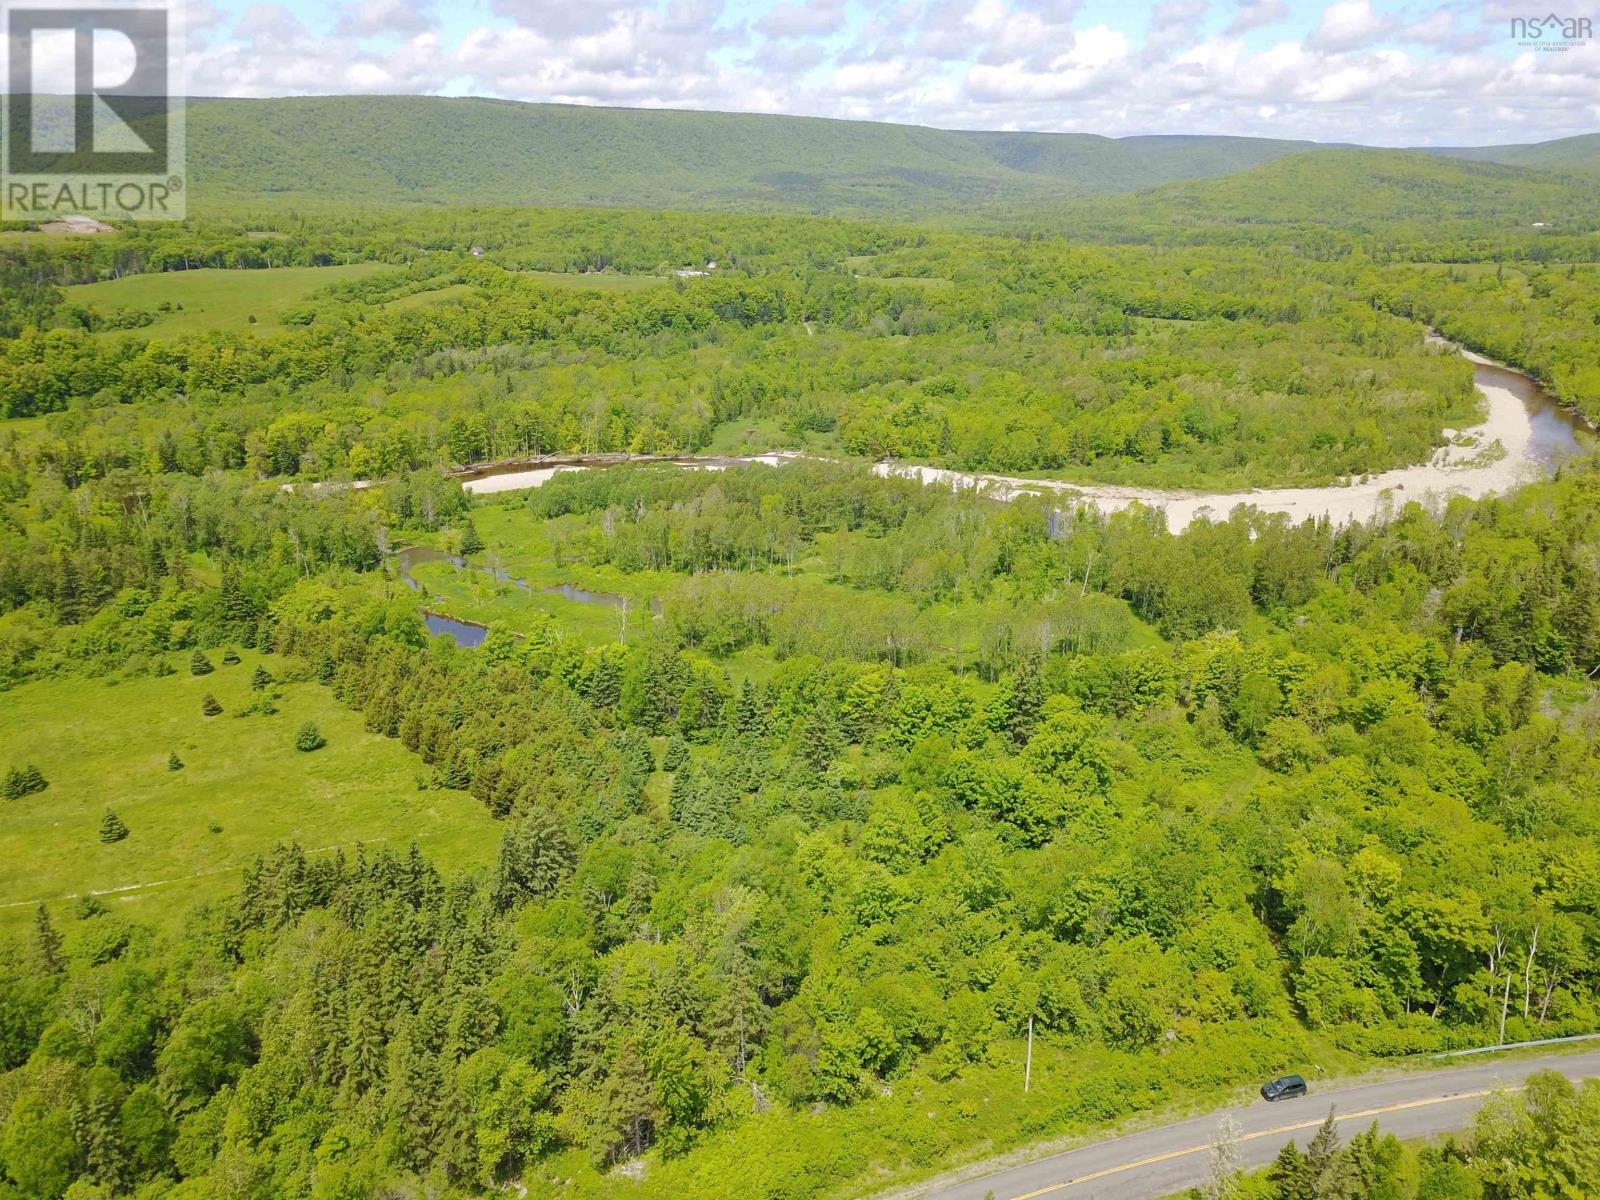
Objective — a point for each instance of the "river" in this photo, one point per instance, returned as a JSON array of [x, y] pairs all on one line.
[[1525, 435]]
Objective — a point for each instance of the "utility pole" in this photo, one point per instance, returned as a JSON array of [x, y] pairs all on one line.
[[1027, 1071]]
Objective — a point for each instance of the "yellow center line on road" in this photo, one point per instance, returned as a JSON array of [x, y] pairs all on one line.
[[1249, 1137]]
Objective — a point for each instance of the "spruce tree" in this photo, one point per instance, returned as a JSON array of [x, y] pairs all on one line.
[[111, 828], [325, 666], [199, 664], [174, 763], [749, 717], [47, 942], [676, 754], [260, 678], [536, 856], [820, 737], [309, 738], [1289, 1176], [1322, 1153], [471, 541], [22, 781], [209, 706], [230, 658]]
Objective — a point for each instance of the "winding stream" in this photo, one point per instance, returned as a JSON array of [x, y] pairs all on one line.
[[472, 633]]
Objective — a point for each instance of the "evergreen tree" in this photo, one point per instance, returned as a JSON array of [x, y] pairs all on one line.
[[22, 781], [309, 738], [111, 828], [230, 657], [1289, 1177], [749, 717], [47, 942], [199, 664], [471, 543], [1322, 1155], [706, 807], [820, 737], [174, 763], [536, 856], [325, 667], [260, 678], [99, 1131], [209, 706], [676, 753], [1025, 700], [237, 608], [638, 758]]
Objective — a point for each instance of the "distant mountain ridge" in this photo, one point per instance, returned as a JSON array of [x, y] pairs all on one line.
[[442, 150], [1581, 153], [434, 149]]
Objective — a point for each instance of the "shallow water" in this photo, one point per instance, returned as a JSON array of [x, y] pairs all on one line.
[[470, 633], [1557, 433], [462, 633]]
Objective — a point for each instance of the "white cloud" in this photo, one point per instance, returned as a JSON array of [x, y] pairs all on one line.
[[370, 18], [1348, 24], [803, 20], [992, 64], [1253, 14]]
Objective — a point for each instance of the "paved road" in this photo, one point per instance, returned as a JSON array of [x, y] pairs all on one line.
[[1159, 1162]]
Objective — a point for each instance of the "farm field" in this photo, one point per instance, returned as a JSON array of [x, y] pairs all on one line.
[[240, 773], [213, 298]]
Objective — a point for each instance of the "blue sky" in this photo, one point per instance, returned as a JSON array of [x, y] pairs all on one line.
[[1375, 71]]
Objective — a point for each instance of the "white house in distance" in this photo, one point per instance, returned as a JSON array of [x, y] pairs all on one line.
[[692, 273]]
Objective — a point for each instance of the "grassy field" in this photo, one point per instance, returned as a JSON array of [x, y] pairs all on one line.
[[214, 299], [103, 744]]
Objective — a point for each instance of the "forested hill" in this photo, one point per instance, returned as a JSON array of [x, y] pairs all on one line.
[[1396, 196], [501, 152], [378, 151], [1576, 154]]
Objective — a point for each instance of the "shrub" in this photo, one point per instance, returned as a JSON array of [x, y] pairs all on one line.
[[199, 664], [309, 738], [111, 828]]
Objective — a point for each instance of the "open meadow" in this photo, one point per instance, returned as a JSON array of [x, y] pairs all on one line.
[[243, 788], [208, 298]]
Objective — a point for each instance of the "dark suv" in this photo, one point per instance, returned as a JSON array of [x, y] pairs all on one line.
[[1286, 1088]]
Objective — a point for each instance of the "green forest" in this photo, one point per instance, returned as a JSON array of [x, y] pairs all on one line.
[[666, 832]]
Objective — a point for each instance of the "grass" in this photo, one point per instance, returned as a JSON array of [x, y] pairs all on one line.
[[213, 299], [752, 435], [104, 744]]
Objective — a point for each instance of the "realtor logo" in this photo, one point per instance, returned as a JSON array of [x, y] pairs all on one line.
[[93, 124], [1552, 32]]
